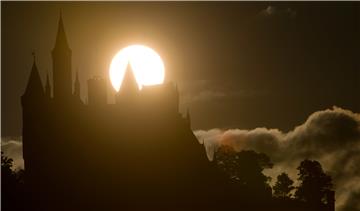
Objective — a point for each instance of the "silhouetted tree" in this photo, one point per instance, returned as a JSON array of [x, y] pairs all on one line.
[[6, 165], [8, 176], [12, 187], [245, 167], [315, 186], [283, 186]]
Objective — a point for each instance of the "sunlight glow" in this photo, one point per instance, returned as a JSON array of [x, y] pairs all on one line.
[[147, 65]]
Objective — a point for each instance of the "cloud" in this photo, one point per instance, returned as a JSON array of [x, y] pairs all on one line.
[[204, 96], [210, 91], [352, 202], [276, 11], [331, 136], [12, 147]]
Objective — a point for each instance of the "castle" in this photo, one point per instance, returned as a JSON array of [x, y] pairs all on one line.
[[137, 153]]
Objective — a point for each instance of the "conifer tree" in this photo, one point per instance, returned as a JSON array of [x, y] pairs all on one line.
[[283, 186]]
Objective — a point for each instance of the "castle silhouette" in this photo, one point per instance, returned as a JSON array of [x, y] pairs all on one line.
[[136, 154], [139, 152]]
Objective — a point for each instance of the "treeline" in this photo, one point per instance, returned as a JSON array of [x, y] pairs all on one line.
[[12, 185], [311, 191], [245, 169]]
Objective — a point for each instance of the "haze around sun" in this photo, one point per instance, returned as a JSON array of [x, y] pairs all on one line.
[[147, 66]]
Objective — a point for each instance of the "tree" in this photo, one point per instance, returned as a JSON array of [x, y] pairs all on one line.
[[315, 186], [12, 187], [283, 186], [7, 173], [245, 167]]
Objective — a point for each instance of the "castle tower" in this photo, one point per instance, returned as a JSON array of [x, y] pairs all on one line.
[[129, 88], [32, 102], [176, 100], [34, 91], [188, 119], [77, 86], [61, 56], [47, 87], [97, 91]]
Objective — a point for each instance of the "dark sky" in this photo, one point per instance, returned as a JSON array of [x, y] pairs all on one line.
[[237, 64]]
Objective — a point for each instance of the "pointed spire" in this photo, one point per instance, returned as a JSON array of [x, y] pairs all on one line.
[[77, 84], [188, 115], [77, 76], [61, 40], [129, 84], [176, 89], [62, 74], [176, 98], [34, 85], [47, 86]]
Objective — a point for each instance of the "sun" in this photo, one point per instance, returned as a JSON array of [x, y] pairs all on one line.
[[147, 65]]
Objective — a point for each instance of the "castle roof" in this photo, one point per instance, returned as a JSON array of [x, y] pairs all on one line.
[[61, 40], [129, 84], [34, 85]]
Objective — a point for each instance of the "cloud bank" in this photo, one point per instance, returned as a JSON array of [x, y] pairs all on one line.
[[277, 11], [12, 148], [330, 136]]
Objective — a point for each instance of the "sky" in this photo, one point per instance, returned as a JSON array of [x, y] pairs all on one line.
[[237, 64], [282, 78]]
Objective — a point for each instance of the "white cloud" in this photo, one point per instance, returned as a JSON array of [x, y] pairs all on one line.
[[330, 136], [12, 147]]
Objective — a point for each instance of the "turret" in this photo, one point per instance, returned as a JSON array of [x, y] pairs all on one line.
[[77, 86], [61, 56], [34, 91], [47, 87], [129, 89], [176, 98], [188, 119], [97, 91]]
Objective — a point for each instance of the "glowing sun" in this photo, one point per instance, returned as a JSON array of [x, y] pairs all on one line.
[[146, 64]]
